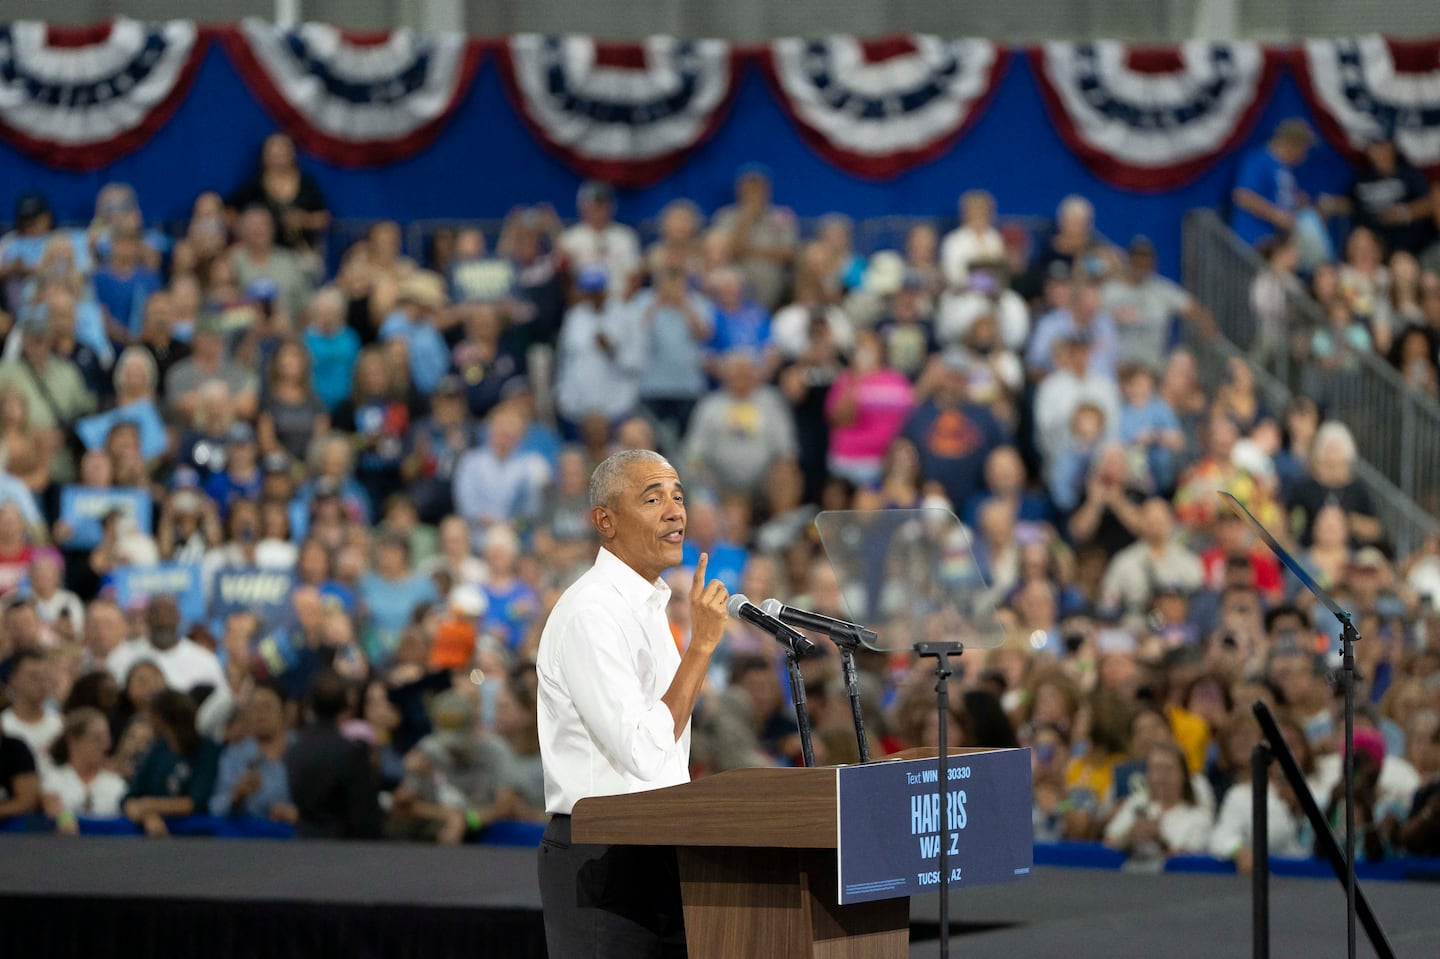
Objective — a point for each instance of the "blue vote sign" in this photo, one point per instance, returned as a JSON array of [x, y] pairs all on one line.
[[891, 830]]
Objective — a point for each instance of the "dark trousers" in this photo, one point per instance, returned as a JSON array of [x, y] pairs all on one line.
[[609, 902]]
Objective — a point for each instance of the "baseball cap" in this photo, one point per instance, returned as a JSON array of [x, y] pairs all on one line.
[[753, 169], [449, 385]]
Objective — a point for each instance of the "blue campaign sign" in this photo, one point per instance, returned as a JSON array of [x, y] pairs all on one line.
[[137, 584], [251, 589], [83, 507], [890, 831]]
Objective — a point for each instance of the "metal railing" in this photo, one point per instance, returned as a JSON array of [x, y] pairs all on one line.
[[1397, 430], [868, 234]]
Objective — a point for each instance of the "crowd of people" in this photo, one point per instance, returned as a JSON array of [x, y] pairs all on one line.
[[1369, 258], [277, 545]]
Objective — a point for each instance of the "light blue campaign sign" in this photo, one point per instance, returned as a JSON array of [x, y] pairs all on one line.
[[83, 507], [138, 584], [890, 824]]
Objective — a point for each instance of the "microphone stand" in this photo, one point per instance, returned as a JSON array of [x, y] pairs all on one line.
[[942, 651], [1349, 636], [802, 712], [847, 642]]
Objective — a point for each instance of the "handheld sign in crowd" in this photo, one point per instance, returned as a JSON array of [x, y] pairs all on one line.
[[83, 507], [138, 584], [890, 824], [265, 593]]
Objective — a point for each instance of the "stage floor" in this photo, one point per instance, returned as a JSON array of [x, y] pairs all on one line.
[[1071, 912]]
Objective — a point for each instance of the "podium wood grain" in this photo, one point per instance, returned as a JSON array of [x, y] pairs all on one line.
[[756, 850]]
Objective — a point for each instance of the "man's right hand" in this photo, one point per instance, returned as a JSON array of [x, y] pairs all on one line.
[[707, 609]]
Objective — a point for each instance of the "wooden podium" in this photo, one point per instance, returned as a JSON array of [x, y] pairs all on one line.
[[757, 854]]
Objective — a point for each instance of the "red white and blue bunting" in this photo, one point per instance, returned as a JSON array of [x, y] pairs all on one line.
[[626, 113], [1363, 88], [877, 108], [79, 98], [1153, 118], [1141, 118], [355, 100]]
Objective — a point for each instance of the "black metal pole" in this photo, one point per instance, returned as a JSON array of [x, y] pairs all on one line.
[[802, 712], [852, 689], [942, 700], [1260, 850], [942, 652], [1328, 845], [1347, 679]]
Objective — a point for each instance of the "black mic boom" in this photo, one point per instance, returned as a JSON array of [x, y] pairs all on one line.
[[838, 630], [740, 607]]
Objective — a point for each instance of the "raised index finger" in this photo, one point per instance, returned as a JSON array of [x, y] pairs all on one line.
[[698, 586]]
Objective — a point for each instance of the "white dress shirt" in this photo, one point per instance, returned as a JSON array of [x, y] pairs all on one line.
[[606, 657]]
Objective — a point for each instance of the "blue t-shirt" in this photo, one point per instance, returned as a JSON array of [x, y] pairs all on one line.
[[953, 444], [429, 355], [125, 295], [332, 363], [1262, 173], [391, 603], [727, 561], [1034, 508], [511, 611], [227, 490], [747, 328], [1156, 416]]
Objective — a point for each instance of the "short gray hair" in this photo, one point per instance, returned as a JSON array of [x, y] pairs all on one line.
[[1337, 433], [608, 477]]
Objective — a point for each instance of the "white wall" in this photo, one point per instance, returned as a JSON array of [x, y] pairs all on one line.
[[1011, 20]]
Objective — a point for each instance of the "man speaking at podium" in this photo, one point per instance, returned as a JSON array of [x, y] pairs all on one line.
[[615, 698]]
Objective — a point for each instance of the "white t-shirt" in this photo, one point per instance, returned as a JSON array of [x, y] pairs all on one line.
[[790, 328], [101, 796], [1395, 790], [38, 735], [185, 665], [1184, 828], [616, 248], [963, 246], [1289, 834], [958, 312]]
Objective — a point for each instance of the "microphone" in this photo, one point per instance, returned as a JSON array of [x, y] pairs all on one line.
[[840, 631], [740, 607]]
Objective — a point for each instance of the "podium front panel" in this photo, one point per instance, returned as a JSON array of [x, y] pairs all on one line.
[[890, 824]]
